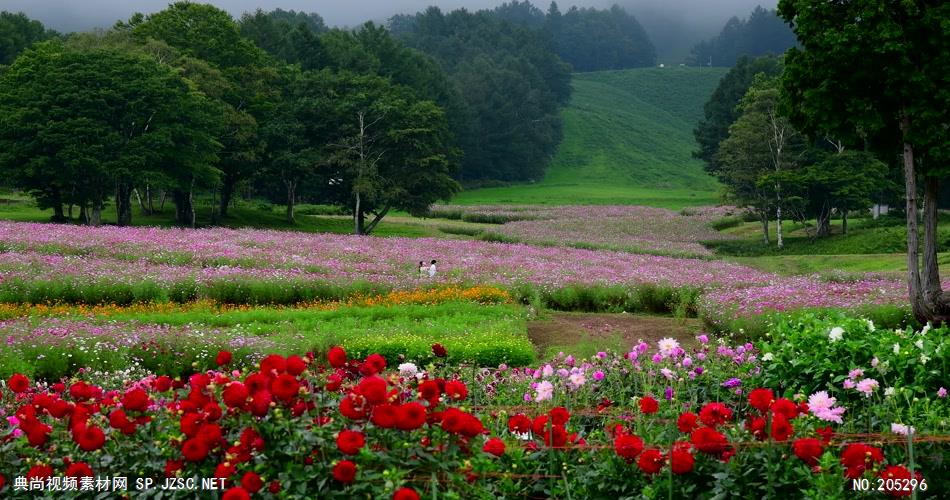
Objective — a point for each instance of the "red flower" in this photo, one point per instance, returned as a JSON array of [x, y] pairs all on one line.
[[687, 422], [439, 351], [826, 434], [18, 383], [405, 494], [80, 391], [761, 399], [119, 420], [90, 438], [285, 387], [79, 469], [857, 458], [494, 446], [539, 424], [715, 414], [251, 482], [781, 428], [899, 477], [430, 391], [785, 408], [190, 423], [808, 450], [559, 415], [296, 365], [411, 416], [628, 446], [39, 472], [708, 440], [352, 407], [273, 363], [374, 363], [681, 461], [456, 390], [344, 471], [237, 493], [385, 416], [162, 384], [519, 423], [136, 400], [260, 403], [649, 405], [651, 461], [757, 427], [224, 470], [336, 356], [274, 487], [194, 450], [171, 467], [373, 389], [235, 395], [223, 358], [210, 434], [350, 442]]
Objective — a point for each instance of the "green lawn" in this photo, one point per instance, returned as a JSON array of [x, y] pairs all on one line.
[[587, 194]]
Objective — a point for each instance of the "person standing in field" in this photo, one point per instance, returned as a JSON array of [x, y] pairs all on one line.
[[422, 268], [432, 269]]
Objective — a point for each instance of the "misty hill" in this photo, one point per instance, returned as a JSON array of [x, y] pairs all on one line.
[[627, 139]]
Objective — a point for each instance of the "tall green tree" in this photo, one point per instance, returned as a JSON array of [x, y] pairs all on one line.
[[17, 32], [763, 32], [79, 125], [874, 73]]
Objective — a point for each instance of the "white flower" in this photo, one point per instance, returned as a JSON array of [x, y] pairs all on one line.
[[577, 379], [925, 329], [667, 346], [890, 391], [924, 359], [919, 344], [902, 429], [408, 370], [836, 334], [870, 325], [897, 348], [767, 357]]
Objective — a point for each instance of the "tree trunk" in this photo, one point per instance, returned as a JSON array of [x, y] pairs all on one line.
[[58, 215], [379, 217], [83, 215], [914, 291], [148, 198], [765, 228], [357, 216], [138, 196], [95, 215], [184, 207], [778, 225], [291, 200], [69, 212], [824, 222], [161, 205], [844, 221], [123, 203], [227, 192], [938, 301]]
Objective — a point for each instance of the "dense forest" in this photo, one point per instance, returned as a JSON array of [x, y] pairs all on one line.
[[763, 32]]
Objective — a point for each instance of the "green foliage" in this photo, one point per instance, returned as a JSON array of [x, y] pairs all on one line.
[[17, 32], [763, 32]]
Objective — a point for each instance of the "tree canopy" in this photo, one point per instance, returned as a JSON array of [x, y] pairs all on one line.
[[763, 32], [17, 32]]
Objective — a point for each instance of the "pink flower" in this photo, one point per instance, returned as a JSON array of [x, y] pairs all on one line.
[[867, 386], [942, 392]]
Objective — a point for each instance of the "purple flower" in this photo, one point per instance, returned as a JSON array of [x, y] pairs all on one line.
[[598, 375], [733, 382], [668, 394], [942, 392], [703, 339]]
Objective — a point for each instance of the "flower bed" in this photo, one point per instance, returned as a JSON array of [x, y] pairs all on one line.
[[297, 427]]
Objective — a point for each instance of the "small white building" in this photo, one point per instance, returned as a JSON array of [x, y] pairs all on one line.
[[879, 209]]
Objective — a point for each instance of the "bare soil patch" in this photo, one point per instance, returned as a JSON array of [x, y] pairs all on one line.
[[584, 331]]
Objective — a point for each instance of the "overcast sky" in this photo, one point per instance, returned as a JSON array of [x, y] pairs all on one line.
[[79, 15]]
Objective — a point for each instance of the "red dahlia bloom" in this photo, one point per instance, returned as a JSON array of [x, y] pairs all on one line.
[[411, 416], [18, 383], [376, 361], [237, 493], [162, 384], [79, 469], [223, 358], [715, 414], [296, 365], [430, 391], [224, 470], [373, 389], [171, 467], [352, 407], [808, 450], [274, 487], [190, 423], [761, 399], [235, 395], [681, 461], [900, 477], [826, 434], [80, 391], [687, 422], [456, 390], [350, 442], [651, 461], [559, 415], [757, 427], [628, 446], [785, 408], [260, 403], [781, 428], [494, 446], [519, 423], [439, 351], [708, 440], [385, 416], [194, 450], [136, 400], [39, 472], [344, 471], [285, 387], [857, 458], [539, 424], [405, 494], [649, 405], [251, 482], [90, 438], [210, 434], [273, 363], [337, 357]]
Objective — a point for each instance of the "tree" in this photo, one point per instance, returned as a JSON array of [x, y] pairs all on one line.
[[763, 32], [721, 110], [17, 32], [874, 73], [76, 125]]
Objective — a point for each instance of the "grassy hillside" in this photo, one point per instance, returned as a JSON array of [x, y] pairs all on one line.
[[627, 139]]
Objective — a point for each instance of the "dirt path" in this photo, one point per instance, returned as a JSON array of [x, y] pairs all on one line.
[[582, 333]]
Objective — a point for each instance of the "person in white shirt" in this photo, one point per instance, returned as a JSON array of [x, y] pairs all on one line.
[[432, 269]]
